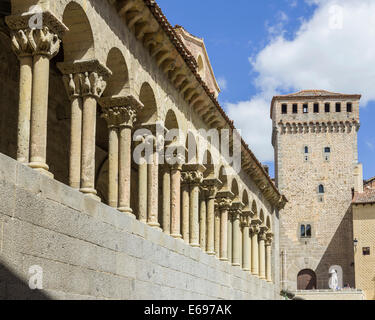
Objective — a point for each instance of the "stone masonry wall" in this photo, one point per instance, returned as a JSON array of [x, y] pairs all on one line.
[[88, 250]]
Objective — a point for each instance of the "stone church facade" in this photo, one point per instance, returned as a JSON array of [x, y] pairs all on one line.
[[316, 160], [76, 204]]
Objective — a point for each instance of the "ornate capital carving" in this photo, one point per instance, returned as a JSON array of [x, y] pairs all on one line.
[[224, 203], [254, 229], [212, 186], [20, 43], [73, 84], [192, 177], [120, 116], [269, 238]]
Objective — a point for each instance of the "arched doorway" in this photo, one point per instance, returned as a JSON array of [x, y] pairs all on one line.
[[306, 280]]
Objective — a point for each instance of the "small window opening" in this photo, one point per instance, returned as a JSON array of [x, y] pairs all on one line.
[[349, 107], [295, 108], [321, 189], [305, 108], [316, 107], [284, 109], [366, 251], [338, 107], [327, 107]]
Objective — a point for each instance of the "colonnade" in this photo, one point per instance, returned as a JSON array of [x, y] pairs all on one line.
[[194, 209]]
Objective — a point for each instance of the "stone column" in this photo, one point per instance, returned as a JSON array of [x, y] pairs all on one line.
[[217, 230], [224, 205], [236, 234], [230, 238], [211, 185], [203, 220], [254, 248], [262, 253], [246, 242], [23, 50], [167, 199], [269, 257], [142, 190], [176, 201], [120, 113], [43, 44], [185, 206], [196, 180]]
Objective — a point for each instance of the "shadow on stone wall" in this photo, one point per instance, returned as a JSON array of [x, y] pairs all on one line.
[[339, 252], [14, 288]]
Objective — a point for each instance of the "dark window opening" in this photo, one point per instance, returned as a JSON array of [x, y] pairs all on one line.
[[284, 109], [338, 107], [349, 107], [327, 107], [321, 189], [295, 108], [303, 231], [305, 108], [327, 150], [366, 251], [306, 231], [316, 107], [306, 149]]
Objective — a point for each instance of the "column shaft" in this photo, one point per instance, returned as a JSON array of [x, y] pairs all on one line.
[[75, 143], [217, 234], [230, 239], [24, 109], [142, 190], [246, 248], [224, 235], [194, 215], [211, 226], [88, 146], [185, 213], [153, 190], [254, 254], [262, 259], [125, 138], [236, 241], [203, 223], [167, 200], [176, 202], [39, 114], [113, 157], [268, 263]]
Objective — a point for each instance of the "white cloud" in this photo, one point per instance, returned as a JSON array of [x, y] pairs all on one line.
[[370, 145], [334, 50], [222, 82]]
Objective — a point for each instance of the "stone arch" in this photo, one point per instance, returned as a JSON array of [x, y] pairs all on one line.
[[254, 208], [171, 121], [200, 66], [119, 81], [340, 274], [148, 114], [306, 280], [235, 190], [268, 223], [191, 145], [78, 42], [208, 163], [261, 216], [223, 178], [245, 199]]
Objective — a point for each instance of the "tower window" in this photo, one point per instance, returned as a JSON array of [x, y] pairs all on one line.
[[327, 153], [327, 107], [305, 108], [366, 251], [349, 107], [321, 189], [327, 150], [284, 108], [295, 108], [338, 107], [306, 149], [316, 107], [306, 231]]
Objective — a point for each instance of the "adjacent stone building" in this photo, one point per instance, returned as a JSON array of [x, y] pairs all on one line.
[[364, 236], [315, 142], [75, 87]]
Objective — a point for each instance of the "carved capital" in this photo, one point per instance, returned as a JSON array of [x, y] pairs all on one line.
[[120, 116], [224, 203], [20, 43], [212, 186], [73, 84], [192, 177], [254, 229]]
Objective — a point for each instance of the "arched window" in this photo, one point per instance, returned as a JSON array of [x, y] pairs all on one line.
[[306, 231], [306, 280], [303, 231], [321, 189], [306, 149]]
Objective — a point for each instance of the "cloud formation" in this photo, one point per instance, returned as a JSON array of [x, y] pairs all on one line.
[[334, 50]]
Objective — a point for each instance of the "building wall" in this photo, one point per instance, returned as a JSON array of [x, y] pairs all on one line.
[[331, 220], [88, 250], [364, 232]]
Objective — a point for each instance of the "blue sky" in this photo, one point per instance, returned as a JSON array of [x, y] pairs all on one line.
[[259, 48]]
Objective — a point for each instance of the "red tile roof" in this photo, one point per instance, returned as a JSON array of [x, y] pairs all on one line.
[[368, 196]]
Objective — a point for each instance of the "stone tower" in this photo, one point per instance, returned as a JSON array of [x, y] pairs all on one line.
[[315, 143]]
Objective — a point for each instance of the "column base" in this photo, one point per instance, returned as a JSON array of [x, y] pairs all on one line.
[[224, 259], [195, 245], [42, 168], [262, 278], [254, 273], [269, 281], [91, 193], [154, 225], [176, 236], [126, 210], [246, 270], [211, 253], [236, 265]]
